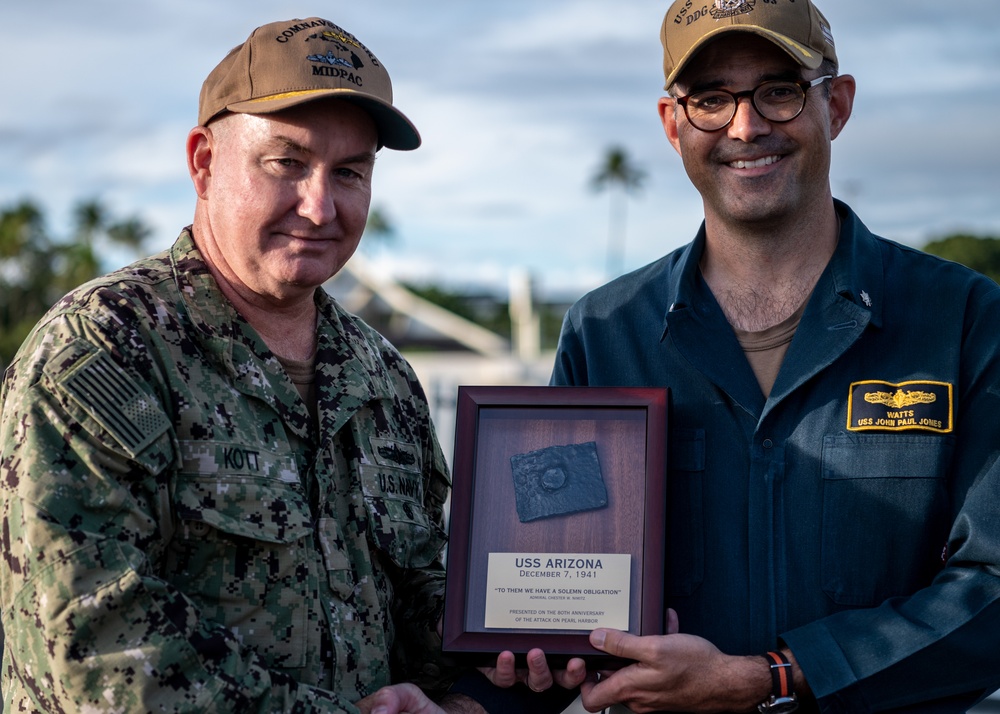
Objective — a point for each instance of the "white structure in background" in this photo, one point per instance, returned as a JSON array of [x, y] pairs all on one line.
[[526, 327], [446, 350]]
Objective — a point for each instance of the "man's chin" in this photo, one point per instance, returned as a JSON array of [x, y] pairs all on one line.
[[311, 272]]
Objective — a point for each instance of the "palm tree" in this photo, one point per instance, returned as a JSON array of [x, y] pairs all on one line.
[[618, 174], [27, 279], [92, 223], [36, 270]]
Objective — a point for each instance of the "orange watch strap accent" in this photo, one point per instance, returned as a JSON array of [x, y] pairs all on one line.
[[781, 673]]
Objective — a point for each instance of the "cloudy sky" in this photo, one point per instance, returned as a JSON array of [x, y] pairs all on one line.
[[517, 102]]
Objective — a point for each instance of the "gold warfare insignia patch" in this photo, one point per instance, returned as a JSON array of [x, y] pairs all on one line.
[[883, 406]]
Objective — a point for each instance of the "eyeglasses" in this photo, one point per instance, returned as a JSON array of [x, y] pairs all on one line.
[[777, 101]]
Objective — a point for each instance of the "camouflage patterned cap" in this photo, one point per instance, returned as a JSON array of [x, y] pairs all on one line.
[[796, 26], [284, 64]]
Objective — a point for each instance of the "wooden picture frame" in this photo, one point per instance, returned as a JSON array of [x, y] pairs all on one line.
[[496, 428]]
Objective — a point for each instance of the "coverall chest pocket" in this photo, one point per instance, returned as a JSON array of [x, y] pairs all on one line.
[[885, 514], [240, 552], [398, 523]]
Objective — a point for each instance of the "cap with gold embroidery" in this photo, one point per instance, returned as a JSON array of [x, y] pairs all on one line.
[[796, 26], [284, 64]]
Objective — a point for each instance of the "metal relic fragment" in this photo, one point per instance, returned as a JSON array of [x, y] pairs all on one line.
[[558, 480]]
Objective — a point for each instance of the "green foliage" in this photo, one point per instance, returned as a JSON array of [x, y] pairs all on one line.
[[36, 270], [484, 311], [617, 169], [981, 253], [491, 313]]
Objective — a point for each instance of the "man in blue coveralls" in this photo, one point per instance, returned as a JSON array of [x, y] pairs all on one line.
[[834, 539]]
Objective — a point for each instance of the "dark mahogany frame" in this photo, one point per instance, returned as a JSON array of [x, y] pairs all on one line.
[[590, 406]]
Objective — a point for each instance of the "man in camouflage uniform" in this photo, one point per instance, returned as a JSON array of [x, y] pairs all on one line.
[[221, 492]]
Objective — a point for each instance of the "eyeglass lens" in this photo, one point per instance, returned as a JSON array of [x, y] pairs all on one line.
[[777, 101]]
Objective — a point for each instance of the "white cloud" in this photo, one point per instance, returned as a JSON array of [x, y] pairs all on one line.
[[516, 102]]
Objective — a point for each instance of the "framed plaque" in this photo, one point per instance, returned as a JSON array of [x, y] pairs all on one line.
[[557, 520]]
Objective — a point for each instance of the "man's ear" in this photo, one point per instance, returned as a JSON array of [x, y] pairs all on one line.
[[667, 107], [842, 91], [200, 142]]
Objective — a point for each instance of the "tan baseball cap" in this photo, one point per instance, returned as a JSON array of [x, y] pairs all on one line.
[[284, 64], [796, 26]]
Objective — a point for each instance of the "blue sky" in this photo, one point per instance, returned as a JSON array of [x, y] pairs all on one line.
[[516, 100]]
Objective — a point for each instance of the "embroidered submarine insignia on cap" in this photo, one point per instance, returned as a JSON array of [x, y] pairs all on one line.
[[884, 406]]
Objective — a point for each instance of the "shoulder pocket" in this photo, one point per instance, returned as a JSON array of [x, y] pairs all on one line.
[[118, 404]]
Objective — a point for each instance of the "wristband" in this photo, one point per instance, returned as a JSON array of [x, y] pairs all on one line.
[[782, 697]]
